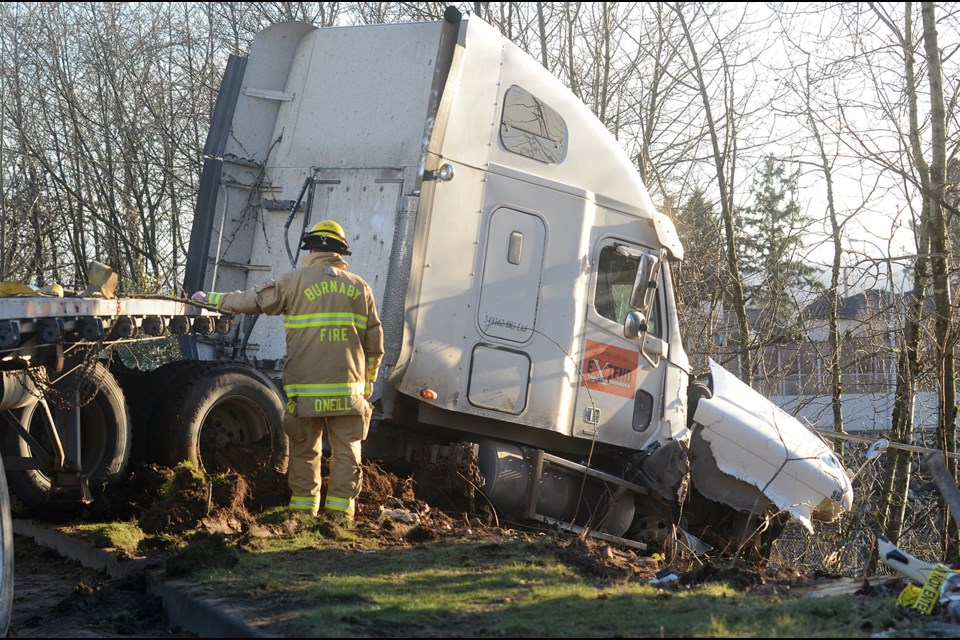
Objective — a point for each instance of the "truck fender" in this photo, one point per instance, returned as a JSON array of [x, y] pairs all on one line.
[[748, 453]]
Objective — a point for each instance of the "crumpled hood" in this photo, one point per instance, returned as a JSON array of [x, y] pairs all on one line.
[[751, 443]]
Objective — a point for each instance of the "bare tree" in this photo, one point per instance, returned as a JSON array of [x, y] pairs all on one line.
[[723, 140], [939, 229], [836, 235]]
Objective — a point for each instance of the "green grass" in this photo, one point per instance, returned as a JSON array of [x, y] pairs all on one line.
[[311, 579], [515, 589], [125, 536]]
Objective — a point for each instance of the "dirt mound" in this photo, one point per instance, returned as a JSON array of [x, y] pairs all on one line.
[[195, 501], [739, 576], [198, 518], [601, 561], [382, 487], [175, 501]]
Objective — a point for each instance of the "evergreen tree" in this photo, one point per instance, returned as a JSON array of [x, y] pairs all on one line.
[[701, 232], [701, 279], [771, 239]]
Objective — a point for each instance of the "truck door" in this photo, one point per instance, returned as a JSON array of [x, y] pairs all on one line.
[[620, 394], [507, 311]]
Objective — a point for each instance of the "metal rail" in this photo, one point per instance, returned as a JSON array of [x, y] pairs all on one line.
[[892, 444]]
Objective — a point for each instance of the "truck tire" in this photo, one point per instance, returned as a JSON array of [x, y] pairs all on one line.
[[222, 415], [104, 449], [146, 392], [6, 556]]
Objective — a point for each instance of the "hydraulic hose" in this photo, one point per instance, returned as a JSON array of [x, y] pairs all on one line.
[[290, 215]]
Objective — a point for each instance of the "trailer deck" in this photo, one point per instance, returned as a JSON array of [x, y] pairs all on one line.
[[31, 323]]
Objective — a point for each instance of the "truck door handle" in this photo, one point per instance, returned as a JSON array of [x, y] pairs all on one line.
[[591, 415]]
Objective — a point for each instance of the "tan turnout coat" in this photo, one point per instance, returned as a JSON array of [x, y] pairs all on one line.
[[333, 335]]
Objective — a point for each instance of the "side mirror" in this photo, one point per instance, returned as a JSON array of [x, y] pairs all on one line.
[[645, 284], [634, 324], [644, 292]]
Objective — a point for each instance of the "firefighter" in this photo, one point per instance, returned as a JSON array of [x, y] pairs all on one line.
[[334, 347]]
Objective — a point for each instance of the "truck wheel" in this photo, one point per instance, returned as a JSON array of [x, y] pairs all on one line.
[[6, 557], [104, 449], [146, 392], [227, 416]]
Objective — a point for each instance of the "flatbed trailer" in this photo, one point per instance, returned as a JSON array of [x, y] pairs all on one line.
[[72, 413], [30, 325], [52, 354]]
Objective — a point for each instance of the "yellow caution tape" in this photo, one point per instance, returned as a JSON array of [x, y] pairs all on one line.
[[929, 595], [909, 595]]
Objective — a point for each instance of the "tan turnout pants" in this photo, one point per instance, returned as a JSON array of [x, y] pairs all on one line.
[[305, 435]]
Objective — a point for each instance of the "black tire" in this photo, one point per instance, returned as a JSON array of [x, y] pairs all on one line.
[[6, 557], [104, 449], [131, 381], [146, 392], [222, 415]]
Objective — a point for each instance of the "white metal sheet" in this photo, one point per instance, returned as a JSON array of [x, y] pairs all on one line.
[[499, 379], [755, 441]]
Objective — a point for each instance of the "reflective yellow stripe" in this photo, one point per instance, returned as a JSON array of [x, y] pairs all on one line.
[[214, 298], [305, 503], [345, 505], [324, 390], [336, 319]]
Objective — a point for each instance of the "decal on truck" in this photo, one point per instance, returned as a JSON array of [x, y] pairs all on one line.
[[610, 369]]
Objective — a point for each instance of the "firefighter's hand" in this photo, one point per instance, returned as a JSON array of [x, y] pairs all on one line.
[[199, 296]]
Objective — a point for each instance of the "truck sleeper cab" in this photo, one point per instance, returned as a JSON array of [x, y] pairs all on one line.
[[502, 228]]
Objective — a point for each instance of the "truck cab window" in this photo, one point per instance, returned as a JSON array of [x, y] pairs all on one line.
[[532, 129], [615, 277]]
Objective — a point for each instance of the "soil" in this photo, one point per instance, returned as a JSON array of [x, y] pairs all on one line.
[[59, 598], [195, 520], [389, 513], [199, 520]]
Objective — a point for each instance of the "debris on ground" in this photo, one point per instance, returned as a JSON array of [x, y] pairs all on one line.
[[197, 520], [934, 588]]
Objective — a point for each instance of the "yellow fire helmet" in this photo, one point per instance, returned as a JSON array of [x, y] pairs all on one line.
[[326, 235]]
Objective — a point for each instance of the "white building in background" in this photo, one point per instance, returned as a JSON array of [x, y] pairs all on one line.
[[795, 373]]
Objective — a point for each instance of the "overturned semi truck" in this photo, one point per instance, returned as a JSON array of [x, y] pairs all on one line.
[[523, 277]]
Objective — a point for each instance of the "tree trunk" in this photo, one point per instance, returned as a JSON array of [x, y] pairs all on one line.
[[833, 293], [942, 296], [896, 481], [737, 297]]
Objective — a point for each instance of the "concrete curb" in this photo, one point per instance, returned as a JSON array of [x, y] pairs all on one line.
[[184, 608], [82, 552], [205, 617]]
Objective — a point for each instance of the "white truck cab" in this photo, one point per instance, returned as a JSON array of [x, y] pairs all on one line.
[[521, 270]]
